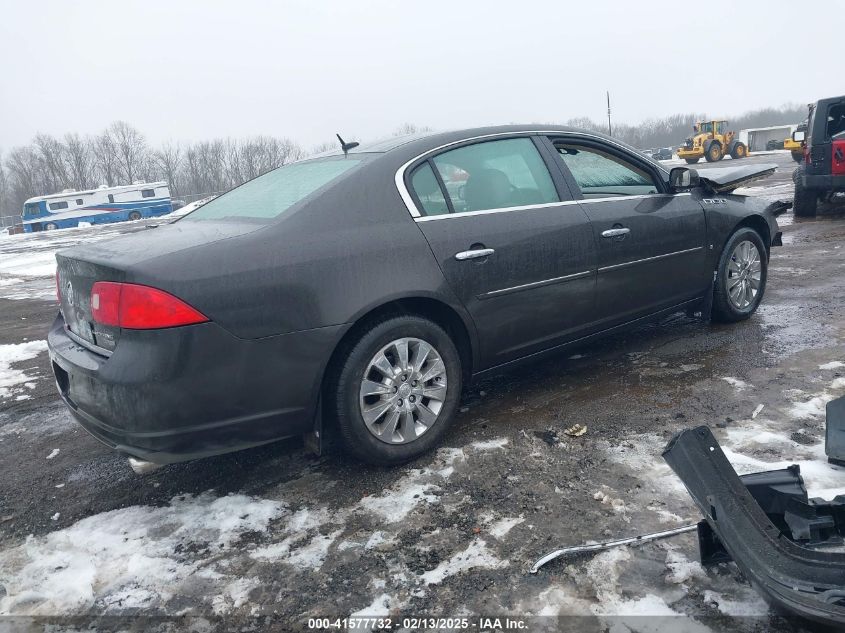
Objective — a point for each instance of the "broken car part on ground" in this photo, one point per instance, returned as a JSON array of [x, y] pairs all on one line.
[[799, 580]]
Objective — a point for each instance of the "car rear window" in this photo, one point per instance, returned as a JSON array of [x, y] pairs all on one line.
[[271, 194]]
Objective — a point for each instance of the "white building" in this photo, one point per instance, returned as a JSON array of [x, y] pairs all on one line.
[[756, 138]]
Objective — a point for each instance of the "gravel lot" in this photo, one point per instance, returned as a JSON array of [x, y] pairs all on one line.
[[277, 532]]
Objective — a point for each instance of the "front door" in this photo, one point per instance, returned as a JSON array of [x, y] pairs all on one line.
[[651, 242], [522, 261]]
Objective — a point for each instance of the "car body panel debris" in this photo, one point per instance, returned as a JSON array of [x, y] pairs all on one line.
[[726, 179], [834, 442], [799, 580], [596, 547]]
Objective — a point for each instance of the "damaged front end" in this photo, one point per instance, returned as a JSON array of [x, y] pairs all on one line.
[[758, 521]]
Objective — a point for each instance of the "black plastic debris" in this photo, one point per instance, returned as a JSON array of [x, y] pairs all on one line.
[[781, 494], [834, 444], [799, 580]]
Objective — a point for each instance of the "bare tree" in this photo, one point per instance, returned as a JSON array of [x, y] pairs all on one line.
[[51, 154], [105, 158], [79, 161], [169, 163], [130, 150]]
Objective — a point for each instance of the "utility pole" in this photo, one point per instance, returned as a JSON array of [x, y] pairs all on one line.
[[609, 126]]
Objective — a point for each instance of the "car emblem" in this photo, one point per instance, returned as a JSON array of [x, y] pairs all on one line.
[[69, 293]]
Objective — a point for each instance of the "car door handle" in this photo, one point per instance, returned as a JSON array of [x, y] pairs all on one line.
[[615, 232], [474, 254]]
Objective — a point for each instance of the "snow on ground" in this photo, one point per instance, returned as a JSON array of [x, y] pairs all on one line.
[[14, 380], [136, 557]]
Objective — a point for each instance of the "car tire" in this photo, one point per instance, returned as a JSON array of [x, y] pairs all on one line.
[[739, 151], [713, 152], [691, 161], [50, 226], [134, 215], [805, 201], [798, 157], [731, 300], [404, 411]]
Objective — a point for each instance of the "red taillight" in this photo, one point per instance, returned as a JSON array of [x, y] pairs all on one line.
[[139, 307], [837, 158]]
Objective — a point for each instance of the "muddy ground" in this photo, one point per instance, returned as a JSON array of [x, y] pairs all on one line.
[[277, 532]]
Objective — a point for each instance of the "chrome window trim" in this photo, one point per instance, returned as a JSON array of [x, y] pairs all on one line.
[[545, 205], [650, 259], [399, 177], [535, 284]]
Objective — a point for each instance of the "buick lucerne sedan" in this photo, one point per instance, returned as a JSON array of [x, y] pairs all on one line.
[[356, 293]]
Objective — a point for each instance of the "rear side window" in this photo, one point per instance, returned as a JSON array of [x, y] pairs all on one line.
[[148, 193], [601, 174], [428, 192], [836, 121], [55, 206], [495, 175], [270, 195]]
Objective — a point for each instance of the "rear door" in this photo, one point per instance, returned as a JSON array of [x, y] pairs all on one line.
[[511, 242], [651, 242]]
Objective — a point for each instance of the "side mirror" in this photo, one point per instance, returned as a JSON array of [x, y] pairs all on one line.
[[683, 178], [798, 137]]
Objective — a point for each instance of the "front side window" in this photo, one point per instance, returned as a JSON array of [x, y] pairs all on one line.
[[148, 193], [270, 195], [495, 175], [79, 201], [56, 206], [601, 174]]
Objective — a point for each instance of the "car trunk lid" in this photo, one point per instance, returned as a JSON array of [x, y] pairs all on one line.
[[79, 268]]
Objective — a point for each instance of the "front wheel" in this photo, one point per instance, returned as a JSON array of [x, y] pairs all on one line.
[[397, 390], [739, 151], [691, 161], [51, 226], [741, 277], [135, 215], [713, 153]]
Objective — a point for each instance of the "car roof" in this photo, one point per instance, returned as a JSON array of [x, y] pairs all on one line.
[[422, 142]]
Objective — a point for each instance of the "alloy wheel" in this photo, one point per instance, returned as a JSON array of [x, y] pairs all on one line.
[[403, 390], [743, 275]]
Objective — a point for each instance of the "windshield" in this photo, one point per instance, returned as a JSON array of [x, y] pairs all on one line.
[[707, 127], [30, 209], [270, 195]]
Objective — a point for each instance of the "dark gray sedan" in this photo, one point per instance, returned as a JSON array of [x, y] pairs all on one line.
[[356, 293]]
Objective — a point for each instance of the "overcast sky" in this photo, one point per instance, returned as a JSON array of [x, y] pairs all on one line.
[[196, 69]]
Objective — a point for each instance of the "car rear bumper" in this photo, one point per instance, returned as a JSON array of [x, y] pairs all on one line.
[[189, 392], [824, 183]]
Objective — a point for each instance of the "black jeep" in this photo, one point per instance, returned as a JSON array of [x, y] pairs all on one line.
[[823, 173]]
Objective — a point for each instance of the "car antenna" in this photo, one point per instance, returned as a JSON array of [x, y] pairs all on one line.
[[346, 146]]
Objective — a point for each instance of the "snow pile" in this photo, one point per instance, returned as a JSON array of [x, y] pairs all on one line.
[[476, 555], [12, 354], [136, 557]]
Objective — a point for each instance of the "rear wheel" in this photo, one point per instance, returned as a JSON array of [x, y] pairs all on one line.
[[713, 152], [741, 277], [691, 161], [805, 201], [135, 215], [50, 226], [739, 151], [397, 390]]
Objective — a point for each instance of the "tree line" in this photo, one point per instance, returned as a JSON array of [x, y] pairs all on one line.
[[672, 130], [120, 154]]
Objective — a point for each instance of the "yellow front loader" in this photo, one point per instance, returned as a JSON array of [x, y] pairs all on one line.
[[713, 141]]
